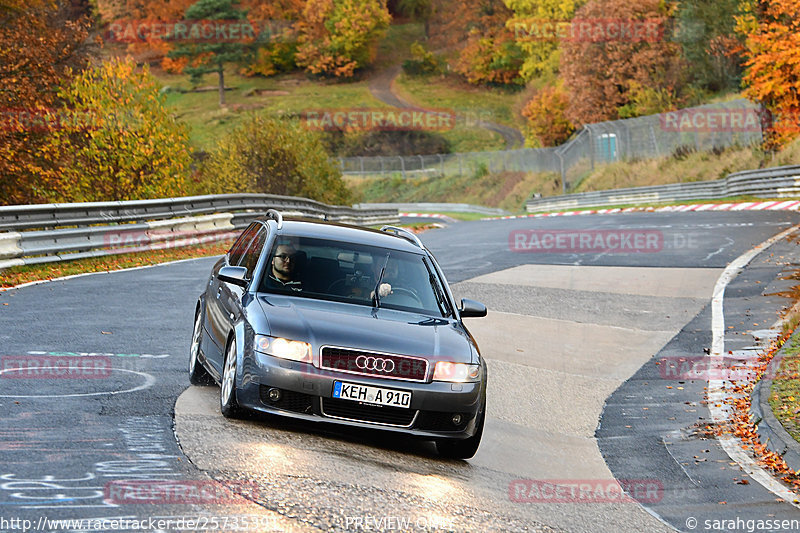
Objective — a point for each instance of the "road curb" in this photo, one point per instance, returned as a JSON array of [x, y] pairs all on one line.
[[772, 205], [770, 431]]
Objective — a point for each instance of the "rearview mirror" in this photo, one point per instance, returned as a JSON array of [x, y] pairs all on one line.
[[234, 275], [471, 309]]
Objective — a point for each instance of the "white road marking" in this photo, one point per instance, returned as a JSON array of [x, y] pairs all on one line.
[[149, 381], [64, 278], [716, 392]]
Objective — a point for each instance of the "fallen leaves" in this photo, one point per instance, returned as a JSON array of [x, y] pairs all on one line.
[[745, 428], [25, 274]]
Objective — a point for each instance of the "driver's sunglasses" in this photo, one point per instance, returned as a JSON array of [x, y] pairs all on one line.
[[285, 257]]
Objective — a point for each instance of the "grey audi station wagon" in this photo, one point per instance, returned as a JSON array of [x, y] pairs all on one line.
[[334, 323]]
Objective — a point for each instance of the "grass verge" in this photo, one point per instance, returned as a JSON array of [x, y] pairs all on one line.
[[784, 398], [471, 105], [507, 190], [291, 94], [28, 273]]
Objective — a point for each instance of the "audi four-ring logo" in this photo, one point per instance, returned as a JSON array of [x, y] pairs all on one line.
[[374, 363]]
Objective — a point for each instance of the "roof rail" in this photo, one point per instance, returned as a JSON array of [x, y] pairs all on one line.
[[402, 232], [276, 216]]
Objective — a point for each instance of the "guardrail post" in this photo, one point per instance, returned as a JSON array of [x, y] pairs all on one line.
[[402, 165], [361, 161], [441, 163], [421, 163]]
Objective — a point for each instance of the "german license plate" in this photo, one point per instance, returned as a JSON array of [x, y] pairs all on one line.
[[376, 395]]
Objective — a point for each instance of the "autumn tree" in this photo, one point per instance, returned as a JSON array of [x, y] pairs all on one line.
[[601, 68], [487, 52], [129, 23], [338, 37], [533, 25], [267, 155], [42, 44], [547, 124], [211, 57], [276, 22], [115, 139], [772, 64]]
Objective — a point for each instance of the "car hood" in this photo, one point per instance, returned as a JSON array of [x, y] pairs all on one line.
[[361, 327]]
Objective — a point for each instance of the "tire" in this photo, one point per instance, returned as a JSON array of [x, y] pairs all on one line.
[[465, 448], [228, 403], [198, 375]]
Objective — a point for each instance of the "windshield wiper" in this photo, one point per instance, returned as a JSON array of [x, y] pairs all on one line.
[[376, 297], [440, 300]]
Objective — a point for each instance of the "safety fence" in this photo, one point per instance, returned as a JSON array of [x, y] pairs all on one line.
[[701, 128], [43, 233]]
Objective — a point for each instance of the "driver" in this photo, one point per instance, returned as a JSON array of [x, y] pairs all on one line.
[[284, 265]]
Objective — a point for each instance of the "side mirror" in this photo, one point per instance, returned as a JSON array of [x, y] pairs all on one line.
[[471, 309], [234, 275]]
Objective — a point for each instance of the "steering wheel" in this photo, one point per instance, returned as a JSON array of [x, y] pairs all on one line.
[[338, 287], [408, 293]]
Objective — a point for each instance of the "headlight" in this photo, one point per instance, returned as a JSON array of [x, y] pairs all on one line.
[[283, 348], [456, 372]]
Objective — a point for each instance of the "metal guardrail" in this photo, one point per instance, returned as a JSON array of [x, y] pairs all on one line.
[[428, 207], [44, 233], [777, 182]]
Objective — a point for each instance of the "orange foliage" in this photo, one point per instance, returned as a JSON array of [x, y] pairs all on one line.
[[489, 52], [40, 46], [337, 37], [773, 65], [547, 124], [741, 424], [600, 74]]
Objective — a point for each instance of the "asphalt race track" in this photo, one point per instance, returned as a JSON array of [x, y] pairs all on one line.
[[575, 398]]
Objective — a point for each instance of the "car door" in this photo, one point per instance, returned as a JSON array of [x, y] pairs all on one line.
[[217, 321], [231, 295]]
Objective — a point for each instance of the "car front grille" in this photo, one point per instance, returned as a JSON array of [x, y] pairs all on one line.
[[290, 400], [388, 366], [390, 416]]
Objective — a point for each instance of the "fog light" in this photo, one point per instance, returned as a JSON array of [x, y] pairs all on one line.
[[456, 419], [274, 395]]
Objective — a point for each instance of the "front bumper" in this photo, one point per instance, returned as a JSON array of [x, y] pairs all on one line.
[[306, 394]]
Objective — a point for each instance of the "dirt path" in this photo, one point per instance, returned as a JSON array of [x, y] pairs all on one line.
[[381, 88]]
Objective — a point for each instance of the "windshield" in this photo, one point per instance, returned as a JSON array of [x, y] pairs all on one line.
[[353, 273]]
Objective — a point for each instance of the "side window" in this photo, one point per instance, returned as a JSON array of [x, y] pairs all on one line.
[[253, 252], [238, 248]]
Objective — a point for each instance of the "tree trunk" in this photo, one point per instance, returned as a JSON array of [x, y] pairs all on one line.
[[221, 73]]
